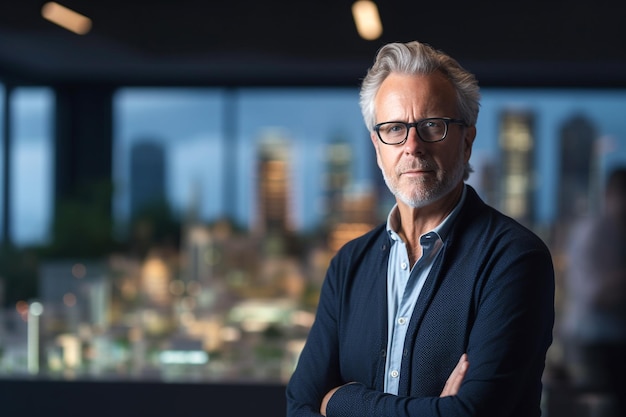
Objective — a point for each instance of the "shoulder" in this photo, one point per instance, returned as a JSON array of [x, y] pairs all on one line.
[[482, 224], [377, 237], [365, 252]]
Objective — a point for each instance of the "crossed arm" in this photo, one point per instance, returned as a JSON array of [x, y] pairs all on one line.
[[508, 332], [451, 388]]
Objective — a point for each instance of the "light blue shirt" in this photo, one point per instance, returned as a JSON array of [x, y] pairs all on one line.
[[404, 284]]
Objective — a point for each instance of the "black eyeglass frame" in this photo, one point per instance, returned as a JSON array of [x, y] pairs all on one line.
[[446, 120]]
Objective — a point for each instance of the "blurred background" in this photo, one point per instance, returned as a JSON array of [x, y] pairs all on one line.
[[175, 177]]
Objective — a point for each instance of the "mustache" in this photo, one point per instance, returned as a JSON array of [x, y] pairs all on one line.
[[415, 165]]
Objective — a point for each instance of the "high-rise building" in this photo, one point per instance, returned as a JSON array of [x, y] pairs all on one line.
[[198, 247], [147, 175], [576, 140], [518, 171], [274, 185], [351, 210], [338, 163]]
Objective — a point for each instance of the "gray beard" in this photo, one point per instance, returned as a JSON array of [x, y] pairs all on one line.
[[420, 198]]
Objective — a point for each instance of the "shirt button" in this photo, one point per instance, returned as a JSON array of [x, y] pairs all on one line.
[[394, 373], [401, 320], [403, 265]]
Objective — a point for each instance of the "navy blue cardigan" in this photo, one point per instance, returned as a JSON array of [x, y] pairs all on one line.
[[490, 294]]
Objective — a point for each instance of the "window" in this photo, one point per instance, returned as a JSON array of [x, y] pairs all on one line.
[[176, 135], [229, 204], [32, 170]]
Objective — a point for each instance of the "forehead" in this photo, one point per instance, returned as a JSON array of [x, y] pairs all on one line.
[[416, 93]]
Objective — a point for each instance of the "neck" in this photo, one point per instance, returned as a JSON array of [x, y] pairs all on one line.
[[415, 221]]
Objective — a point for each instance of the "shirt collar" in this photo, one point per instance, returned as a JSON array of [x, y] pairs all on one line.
[[442, 229]]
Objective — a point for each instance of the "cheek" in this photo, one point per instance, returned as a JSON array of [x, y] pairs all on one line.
[[376, 150], [468, 142], [462, 152], [380, 158], [387, 162], [452, 157], [467, 152]]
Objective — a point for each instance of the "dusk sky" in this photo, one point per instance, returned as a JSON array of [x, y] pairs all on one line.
[[191, 124]]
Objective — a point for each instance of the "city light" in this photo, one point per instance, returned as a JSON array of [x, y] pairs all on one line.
[[169, 357], [36, 309]]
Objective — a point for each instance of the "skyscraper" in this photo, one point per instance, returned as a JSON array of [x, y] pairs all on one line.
[[351, 210], [147, 176], [518, 171], [338, 165], [273, 184], [576, 140]]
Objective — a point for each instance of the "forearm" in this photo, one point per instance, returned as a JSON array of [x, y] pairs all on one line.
[[355, 400], [452, 386]]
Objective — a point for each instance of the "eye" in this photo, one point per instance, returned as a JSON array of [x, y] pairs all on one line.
[[395, 127], [432, 124]]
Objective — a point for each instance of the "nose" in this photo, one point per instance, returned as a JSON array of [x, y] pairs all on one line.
[[413, 144]]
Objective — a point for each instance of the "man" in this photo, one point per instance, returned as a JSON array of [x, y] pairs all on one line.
[[446, 275]]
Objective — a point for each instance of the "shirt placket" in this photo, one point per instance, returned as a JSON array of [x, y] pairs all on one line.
[[406, 303]]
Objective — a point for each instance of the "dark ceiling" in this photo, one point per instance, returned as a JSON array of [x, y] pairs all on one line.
[[245, 42]]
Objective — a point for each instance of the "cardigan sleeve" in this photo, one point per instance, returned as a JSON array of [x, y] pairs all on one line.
[[317, 371]]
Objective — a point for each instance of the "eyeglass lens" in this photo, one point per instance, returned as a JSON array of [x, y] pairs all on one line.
[[428, 130]]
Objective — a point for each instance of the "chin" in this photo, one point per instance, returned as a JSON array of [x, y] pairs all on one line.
[[422, 198], [416, 199], [416, 202]]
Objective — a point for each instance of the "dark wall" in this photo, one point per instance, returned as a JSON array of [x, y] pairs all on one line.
[[37, 398]]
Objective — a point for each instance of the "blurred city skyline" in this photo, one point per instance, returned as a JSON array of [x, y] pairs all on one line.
[[210, 140], [228, 304]]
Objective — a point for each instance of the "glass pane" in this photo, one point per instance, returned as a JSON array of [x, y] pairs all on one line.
[[597, 112], [32, 169], [215, 153], [176, 135], [314, 124], [263, 185]]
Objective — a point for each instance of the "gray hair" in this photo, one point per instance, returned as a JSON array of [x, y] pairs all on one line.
[[415, 58]]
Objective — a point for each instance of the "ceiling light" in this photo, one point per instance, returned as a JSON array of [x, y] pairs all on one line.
[[367, 19], [66, 18]]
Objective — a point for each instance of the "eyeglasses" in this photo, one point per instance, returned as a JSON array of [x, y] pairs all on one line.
[[433, 129]]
